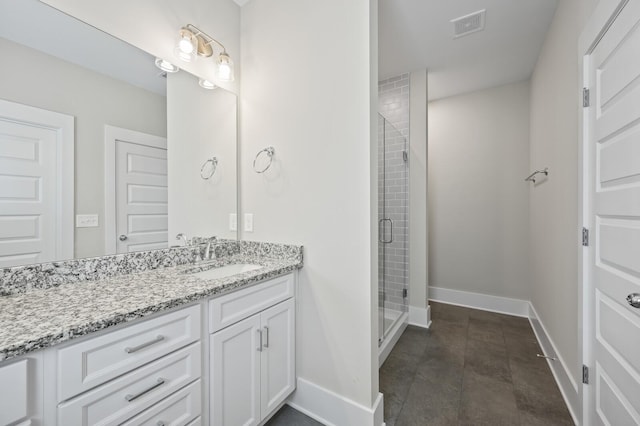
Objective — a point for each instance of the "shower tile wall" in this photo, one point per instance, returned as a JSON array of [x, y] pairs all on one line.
[[394, 106]]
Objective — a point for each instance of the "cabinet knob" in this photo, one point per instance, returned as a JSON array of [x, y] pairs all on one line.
[[122, 237], [634, 300]]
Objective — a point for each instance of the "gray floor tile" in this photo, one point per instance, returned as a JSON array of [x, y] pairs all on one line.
[[396, 376], [487, 359], [432, 400], [412, 342], [487, 401], [485, 330], [287, 416], [450, 313], [518, 327], [471, 368], [537, 393]]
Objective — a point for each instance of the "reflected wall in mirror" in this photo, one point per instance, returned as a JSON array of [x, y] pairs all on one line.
[[83, 142], [202, 164]]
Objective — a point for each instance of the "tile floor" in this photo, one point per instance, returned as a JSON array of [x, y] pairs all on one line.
[[471, 368]]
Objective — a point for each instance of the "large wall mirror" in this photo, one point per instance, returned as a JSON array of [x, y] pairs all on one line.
[[100, 151]]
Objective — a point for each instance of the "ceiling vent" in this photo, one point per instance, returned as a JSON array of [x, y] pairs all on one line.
[[468, 24]]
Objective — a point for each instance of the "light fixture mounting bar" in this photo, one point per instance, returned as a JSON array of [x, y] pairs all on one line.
[[204, 36]]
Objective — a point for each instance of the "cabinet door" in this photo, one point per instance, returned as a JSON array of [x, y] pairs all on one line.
[[235, 374], [20, 392], [278, 355]]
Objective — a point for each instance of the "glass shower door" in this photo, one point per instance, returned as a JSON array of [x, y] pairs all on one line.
[[393, 231]]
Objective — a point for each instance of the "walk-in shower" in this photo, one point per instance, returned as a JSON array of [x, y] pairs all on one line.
[[393, 235]]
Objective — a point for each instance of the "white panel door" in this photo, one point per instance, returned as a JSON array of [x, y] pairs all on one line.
[[141, 197], [235, 374], [614, 195], [278, 364], [32, 199]]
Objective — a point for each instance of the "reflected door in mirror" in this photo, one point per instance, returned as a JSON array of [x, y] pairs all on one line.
[[34, 206], [140, 182]]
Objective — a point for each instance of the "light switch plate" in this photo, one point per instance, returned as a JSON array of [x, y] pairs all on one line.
[[248, 222], [87, 221], [233, 222]]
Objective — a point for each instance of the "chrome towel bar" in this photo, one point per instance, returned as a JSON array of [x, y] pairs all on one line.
[[532, 176]]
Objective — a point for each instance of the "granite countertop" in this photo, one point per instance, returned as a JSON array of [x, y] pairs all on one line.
[[39, 319]]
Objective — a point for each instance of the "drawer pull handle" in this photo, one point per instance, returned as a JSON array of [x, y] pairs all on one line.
[[260, 345], [130, 397], [158, 339], [266, 331], [160, 423]]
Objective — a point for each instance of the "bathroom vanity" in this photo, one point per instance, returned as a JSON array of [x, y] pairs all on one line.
[[185, 344]]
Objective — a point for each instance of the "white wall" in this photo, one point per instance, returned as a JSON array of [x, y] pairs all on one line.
[[43, 81], [418, 199], [478, 200], [200, 124], [307, 90], [554, 229], [153, 25]]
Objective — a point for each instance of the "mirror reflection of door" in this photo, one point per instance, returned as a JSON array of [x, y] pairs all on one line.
[[36, 193], [137, 203]]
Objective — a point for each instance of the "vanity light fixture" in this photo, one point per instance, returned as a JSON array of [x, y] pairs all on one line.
[[166, 65], [193, 42], [206, 84]]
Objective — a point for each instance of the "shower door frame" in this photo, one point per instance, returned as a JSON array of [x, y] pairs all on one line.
[[386, 236]]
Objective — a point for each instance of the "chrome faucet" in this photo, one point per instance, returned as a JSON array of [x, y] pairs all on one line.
[[210, 251], [182, 237]]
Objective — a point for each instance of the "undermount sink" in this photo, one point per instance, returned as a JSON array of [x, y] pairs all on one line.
[[225, 271]]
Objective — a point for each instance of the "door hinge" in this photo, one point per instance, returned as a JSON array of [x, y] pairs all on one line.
[[585, 97], [405, 293], [585, 374], [585, 237]]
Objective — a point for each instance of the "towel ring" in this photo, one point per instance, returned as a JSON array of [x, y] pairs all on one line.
[[214, 166], [270, 152]]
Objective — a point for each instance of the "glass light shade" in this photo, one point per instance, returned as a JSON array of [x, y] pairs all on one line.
[[187, 47], [224, 71], [206, 84], [166, 65]]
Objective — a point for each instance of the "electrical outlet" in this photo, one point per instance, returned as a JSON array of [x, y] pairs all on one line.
[[248, 222], [233, 222], [87, 221]]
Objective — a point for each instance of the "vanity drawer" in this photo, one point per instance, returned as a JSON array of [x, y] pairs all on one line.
[[129, 395], [178, 409], [231, 308], [95, 361], [14, 400]]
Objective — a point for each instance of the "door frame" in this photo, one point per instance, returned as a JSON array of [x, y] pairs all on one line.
[[64, 126], [603, 16], [112, 134]]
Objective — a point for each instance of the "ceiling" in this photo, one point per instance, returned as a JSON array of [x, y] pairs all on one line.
[[418, 34]]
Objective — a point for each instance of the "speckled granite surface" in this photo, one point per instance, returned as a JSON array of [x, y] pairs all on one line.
[[22, 279], [45, 316]]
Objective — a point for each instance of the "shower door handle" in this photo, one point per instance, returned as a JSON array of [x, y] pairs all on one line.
[[381, 234]]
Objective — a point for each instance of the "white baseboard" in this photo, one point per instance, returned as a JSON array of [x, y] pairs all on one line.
[[485, 302], [561, 373], [420, 317], [331, 409]]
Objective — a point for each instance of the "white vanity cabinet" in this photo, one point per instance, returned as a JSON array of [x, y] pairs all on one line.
[[148, 372], [252, 351], [225, 361]]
